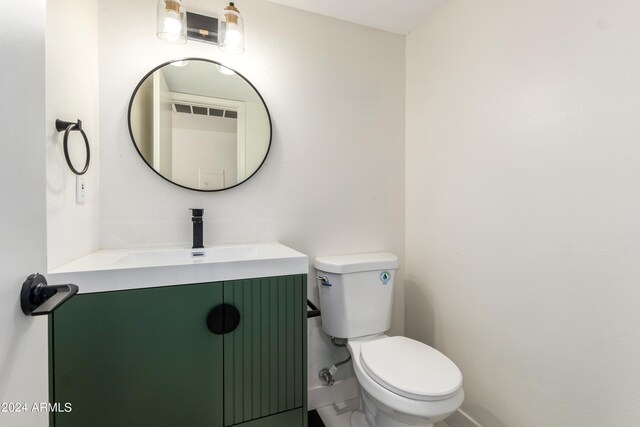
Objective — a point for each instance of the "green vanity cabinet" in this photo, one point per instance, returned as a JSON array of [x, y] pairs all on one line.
[[145, 357]]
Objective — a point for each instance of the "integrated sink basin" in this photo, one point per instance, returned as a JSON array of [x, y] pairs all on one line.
[[118, 269], [160, 257]]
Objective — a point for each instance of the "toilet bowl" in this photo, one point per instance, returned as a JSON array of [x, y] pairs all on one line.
[[403, 382]]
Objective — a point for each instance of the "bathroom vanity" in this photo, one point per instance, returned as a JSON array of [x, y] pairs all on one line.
[[213, 341]]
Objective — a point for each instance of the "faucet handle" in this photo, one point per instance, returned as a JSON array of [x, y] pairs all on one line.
[[197, 211]]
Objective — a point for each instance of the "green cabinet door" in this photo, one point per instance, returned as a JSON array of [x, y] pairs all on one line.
[[265, 356], [139, 358]]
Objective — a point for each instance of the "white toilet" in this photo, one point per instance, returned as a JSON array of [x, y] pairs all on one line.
[[403, 382]]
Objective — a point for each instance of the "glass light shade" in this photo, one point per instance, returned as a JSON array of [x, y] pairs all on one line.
[[172, 21], [231, 30]]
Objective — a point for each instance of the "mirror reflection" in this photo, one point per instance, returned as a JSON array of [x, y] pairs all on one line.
[[199, 124]]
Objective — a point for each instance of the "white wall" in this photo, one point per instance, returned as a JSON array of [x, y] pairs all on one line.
[[333, 181], [23, 340], [195, 150], [523, 206], [72, 93]]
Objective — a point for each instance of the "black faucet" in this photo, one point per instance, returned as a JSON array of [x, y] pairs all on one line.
[[196, 217]]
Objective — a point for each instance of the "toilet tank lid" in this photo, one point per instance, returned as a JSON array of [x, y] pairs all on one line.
[[355, 263]]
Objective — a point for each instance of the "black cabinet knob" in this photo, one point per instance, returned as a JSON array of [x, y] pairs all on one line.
[[223, 319]]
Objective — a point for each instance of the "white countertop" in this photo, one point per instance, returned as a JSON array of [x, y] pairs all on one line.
[[119, 269]]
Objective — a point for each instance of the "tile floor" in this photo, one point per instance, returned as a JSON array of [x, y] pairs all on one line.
[[339, 414]]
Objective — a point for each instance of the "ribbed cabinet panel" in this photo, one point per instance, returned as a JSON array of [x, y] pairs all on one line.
[[264, 356]]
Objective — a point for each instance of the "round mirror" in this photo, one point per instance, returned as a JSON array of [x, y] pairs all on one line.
[[199, 124]]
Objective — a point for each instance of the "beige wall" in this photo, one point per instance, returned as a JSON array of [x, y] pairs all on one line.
[[165, 126], [256, 144], [523, 206], [142, 119]]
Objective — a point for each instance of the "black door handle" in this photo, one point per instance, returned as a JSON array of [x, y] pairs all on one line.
[[37, 297], [223, 319]]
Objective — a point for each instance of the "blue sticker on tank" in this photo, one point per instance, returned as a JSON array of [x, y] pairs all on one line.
[[385, 277]]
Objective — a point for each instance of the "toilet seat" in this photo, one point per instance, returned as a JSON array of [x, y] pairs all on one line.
[[410, 368]]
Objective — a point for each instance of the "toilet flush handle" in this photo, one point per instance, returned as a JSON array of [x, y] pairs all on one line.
[[324, 281]]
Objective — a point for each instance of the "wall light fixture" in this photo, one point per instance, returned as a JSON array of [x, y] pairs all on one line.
[[176, 25], [172, 21], [231, 30]]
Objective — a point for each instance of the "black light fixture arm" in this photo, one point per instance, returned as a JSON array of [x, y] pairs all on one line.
[[67, 127]]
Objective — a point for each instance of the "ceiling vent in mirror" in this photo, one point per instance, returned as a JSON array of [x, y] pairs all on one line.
[[181, 108], [205, 111], [200, 110]]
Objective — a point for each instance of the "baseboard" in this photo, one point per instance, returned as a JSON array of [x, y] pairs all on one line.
[[461, 419], [340, 391]]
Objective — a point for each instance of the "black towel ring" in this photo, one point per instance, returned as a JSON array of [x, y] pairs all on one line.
[[67, 127]]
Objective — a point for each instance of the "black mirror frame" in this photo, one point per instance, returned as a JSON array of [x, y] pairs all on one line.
[[133, 140]]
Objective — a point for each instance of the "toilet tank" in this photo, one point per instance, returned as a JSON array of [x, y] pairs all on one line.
[[356, 299]]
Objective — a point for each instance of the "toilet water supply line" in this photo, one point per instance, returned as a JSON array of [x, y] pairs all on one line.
[[327, 373]]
